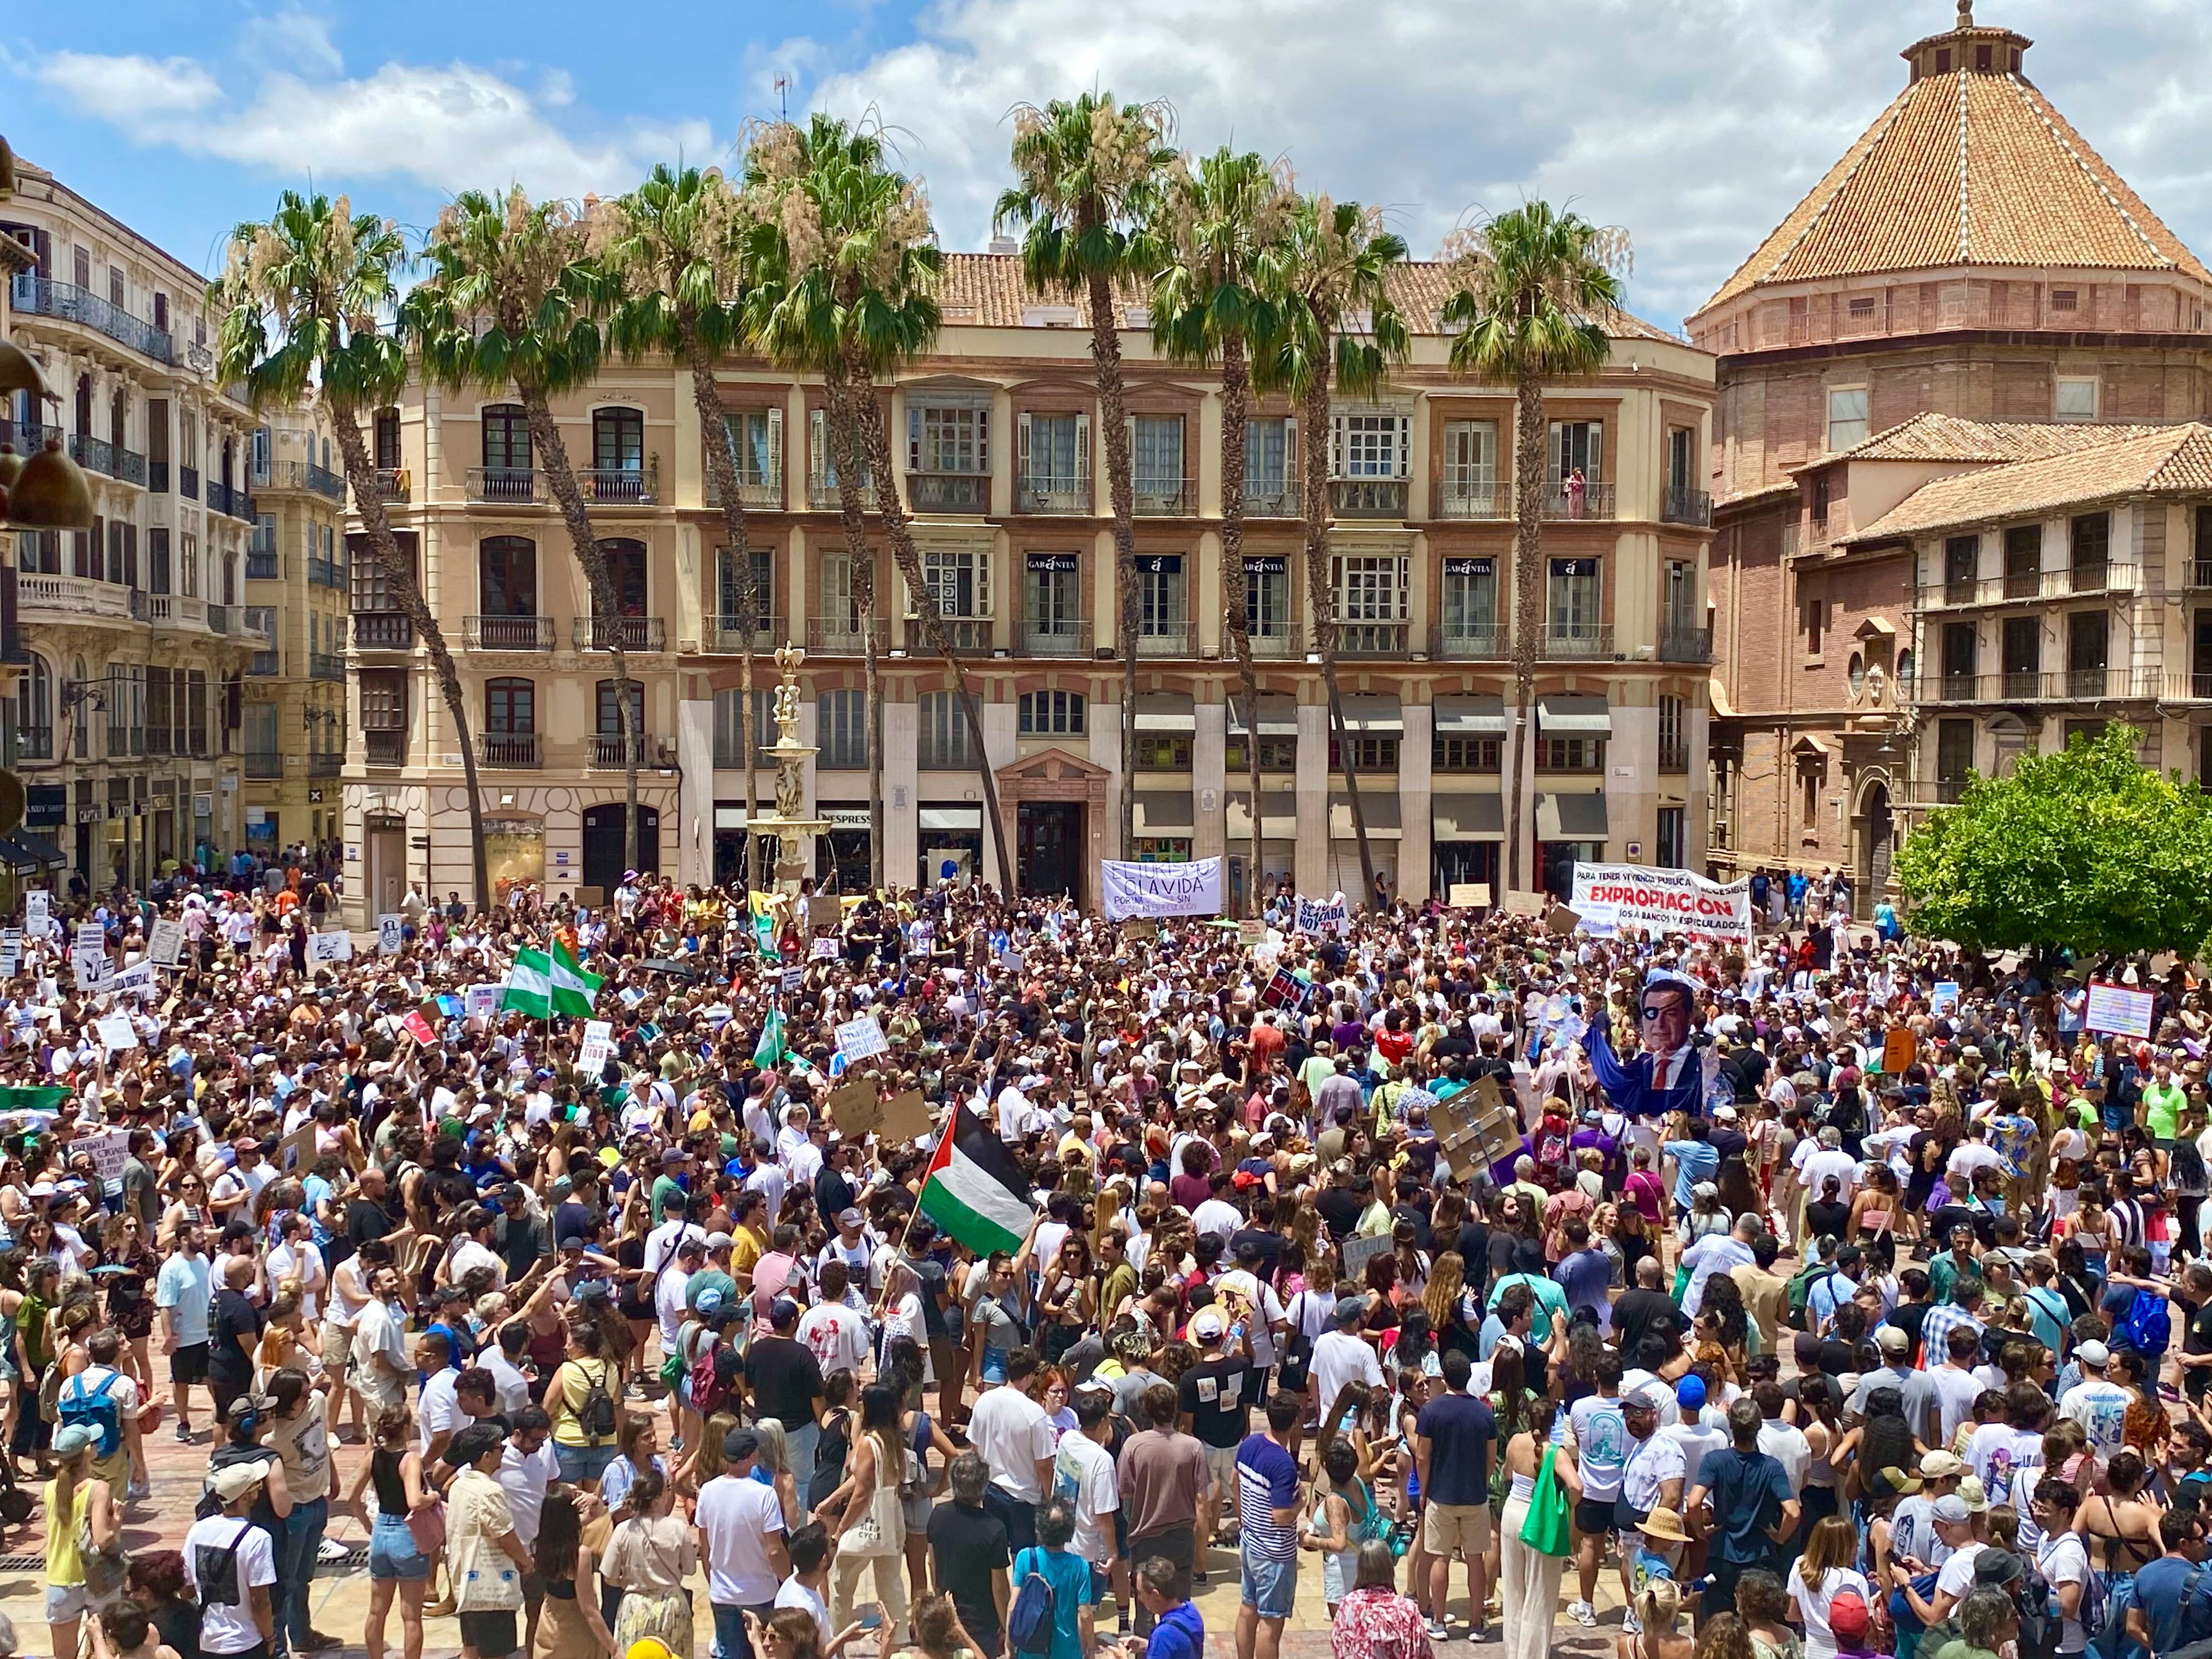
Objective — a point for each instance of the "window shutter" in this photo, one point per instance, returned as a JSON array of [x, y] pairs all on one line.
[[1022, 446], [1293, 458], [913, 600], [1597, 452], [1335, 446], [983, 583], [1129, 433], [817, 451], [983, 440], [914, 438], [774, 479], [1082, 450], [1405, 446]]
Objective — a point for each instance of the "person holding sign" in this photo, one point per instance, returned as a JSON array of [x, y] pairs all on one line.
[[1664, 1075]]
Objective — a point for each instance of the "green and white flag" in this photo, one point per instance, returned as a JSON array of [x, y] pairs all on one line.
[[574, 991], [529, 989], [771, 1047]]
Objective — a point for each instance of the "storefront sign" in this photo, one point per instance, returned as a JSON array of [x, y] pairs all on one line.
[[1470, 567], [1053, 561], [1566, 568], [1161, 889], [1608, 896], [1159, 564], [1265, 564]]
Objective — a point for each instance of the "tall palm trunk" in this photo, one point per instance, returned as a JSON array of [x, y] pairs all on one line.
[[723, 466], [1235, 406], [1527, 614], [399, 580], [561, 478], [869, 419], [844, 442], [1122, 496], [1323, 594]]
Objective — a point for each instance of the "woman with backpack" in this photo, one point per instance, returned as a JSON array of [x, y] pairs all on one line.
[[81, 1514], [584, 1398]]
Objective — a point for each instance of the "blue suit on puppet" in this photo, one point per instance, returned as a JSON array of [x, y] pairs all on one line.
[[1666, 1074]]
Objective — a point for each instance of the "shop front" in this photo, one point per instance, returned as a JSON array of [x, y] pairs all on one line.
[[951, 838], [1278, 841], [1467, 833], [841, 857], [514, 852], [1570, 829]]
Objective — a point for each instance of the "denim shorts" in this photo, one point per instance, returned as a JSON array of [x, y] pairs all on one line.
[[67, 1602], [994, 1366], [583, 1465], [1270, 1586], [394, 1552]]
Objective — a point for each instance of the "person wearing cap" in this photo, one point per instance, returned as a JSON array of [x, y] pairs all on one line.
[[742, 1532], [1915, 1392], [2097, 1403], [1955, 1521], [485, 1557], [783, 1380], [852, 1246], [1343, 1355], [238, 1604], [85, 1504], [1214, 1401]]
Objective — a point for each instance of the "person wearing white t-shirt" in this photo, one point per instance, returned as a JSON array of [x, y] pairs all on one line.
[[741, 1522], [2062, 1558], [834, 1333], [1083, 1472], [1955, 1526], [2098, 1406], [1342, 1356], [810, 1579], [1014, 1436], [239, 1616]]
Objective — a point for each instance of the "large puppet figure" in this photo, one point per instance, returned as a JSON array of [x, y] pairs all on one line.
[[1666, 1074]]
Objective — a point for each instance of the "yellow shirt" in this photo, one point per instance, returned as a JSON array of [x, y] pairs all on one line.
[[746, 1247], [571, 1388], [64, 1565]]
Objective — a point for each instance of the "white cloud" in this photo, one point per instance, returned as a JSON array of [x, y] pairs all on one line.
[[450, 127], [1696, 125], [297, 37]]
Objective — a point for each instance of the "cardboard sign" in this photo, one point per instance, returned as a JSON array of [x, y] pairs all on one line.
[[1560, 920], [1476, 1127], [296, 1155], [1946, 999], [165, 944], [1898, 1048], [1141, 927], [1250, 932], [38, 919], [336, 945], [116, 1031], [1527, 904], [855, 1109], [391, 933], [906, 1117], [861, 1039], [1469, 894], [598, 1048], [2118, 1008], [110, 1150], [824, 910], [1359, 1252]]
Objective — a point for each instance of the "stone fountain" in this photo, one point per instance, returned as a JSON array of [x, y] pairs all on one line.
[[793, 830]]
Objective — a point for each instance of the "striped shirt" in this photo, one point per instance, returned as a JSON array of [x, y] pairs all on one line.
[[1267, 1480]]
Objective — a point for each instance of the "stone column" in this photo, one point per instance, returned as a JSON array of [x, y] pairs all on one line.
[[902, 825], [1415, 796], [1209, 782], [1312, 862], [695, 787]]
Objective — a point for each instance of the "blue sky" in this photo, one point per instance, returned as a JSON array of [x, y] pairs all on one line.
[[1695, 124]]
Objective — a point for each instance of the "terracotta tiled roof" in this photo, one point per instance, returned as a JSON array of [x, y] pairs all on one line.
[[985, 290], [2137, 460], [2033, 194], [1931, 437]]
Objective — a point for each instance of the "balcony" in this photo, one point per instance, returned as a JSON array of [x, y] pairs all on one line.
[[2042, 685], [1061, 639], [140, 610], [27, 437], [1164, 639], [34, 743], [507, 633], [507, 485], [1040, 494], [383, 630], [1371, 639], [1279, 643], [1476, 498], [1683, 505], [1593, 501], [325, 665], [1164, 498], [263, 764], [157, 477], [34, 295], [1472, 642], [326, 764], [263, 568], [65, 598], [266, 666], [823, 497], [1368, 498], [385, 748], [967, 637], [1271, 498], [1567, 641], [727, 634], [302, 475], [175, 611], [188, 483], [512, 749], [606, 752], [620, 486], [754, 494], [2015, 587], [948, 492], [390, 483], [235, 503], [220, 620], [1673, 756], [1680, 644], [838, 636], [631, 633], [327, 573], [1949, 791], [98, 455]]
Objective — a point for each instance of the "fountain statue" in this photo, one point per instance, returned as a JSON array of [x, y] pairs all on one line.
[[793, 830]]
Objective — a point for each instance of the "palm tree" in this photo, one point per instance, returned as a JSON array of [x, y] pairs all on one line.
[[1334, 277], [1220, 237], [509, 302], [1089, 169], [1532, 293], [305, 302], [672, 251], [845, 266]]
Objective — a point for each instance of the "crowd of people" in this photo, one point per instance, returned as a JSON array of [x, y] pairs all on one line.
[[1829, 1293]]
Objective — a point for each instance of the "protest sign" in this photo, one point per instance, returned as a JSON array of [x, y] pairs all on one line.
[[165, 944], [92, 936], [598, 1049], [336, 945], [11, 951], [1897, 1049], [92, 972], [138, 976], [1527, 904], [1609, 896], [1469, 894], [2120, 1009], [417, 1026], [861, 1039], [855, 1109], [296, 1155], [1359, 1252], [793, 979], [1561, 920], [906, 1117], [37, 918], [1190, 888], [110, 1150], [824, 911], [1250, 932], [826, 948], [1945, 1001], [116, 1031], [391, 933], [481, 1001]]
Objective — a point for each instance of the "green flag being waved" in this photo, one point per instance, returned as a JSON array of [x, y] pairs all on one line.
[[529, 985], [573, 990], [770, 1048]]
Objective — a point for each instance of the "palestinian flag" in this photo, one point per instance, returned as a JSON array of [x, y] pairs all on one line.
[[573, 990], [529, 985], [975, 1189]]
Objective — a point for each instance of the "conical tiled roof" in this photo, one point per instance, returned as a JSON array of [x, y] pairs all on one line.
[[1968, 167]]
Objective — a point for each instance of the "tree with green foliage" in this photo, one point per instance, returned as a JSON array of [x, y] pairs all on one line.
[[2086, 850]]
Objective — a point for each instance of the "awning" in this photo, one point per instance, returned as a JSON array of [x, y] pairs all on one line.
[[1165, 812], [1469, 817], [1571, 817], [1166, 711], [1470, 717], [1374, 713], [951, 817], [1378, 806], [1278, 817], [1278, 716], [1574, 714], [27, 850]]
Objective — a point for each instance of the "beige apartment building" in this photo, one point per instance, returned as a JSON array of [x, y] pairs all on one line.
[[127, 710], [1000, 470]]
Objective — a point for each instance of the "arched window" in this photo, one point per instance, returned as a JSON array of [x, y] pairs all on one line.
[[626, 565], [1051, 715], [506, 583], [34, 711]]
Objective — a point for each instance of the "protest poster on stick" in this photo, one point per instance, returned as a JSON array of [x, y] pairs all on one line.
[[165, 944], [2119, 1008]]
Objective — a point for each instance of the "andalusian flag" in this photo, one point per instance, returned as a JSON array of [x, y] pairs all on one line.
[[975, 1190], [763, 914], [529, 985], [770, 1048], [574, 991]]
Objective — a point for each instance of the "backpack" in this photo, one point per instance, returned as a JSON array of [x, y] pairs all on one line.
[[2148, 1327], [94, 1409], [1298, 1354], [1800, 1291], [714, 1370], [597, 1418], [1035, 1611]]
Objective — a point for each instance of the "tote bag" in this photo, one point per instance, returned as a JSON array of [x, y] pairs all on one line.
[[1546, 1529]]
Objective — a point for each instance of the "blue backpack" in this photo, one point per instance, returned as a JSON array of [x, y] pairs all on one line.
[[1036, 1612], [94, 1409], [2148, 1327]]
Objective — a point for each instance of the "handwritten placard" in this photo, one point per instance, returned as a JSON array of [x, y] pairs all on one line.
[[336, 945], [861, 1039], [1469, 895], [165, 943]]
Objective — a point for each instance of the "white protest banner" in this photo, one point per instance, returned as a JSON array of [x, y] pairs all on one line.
[[36, 915], [1359, 1252], [1314, 917], [391, 933], [2116, 1008], [1189, 889], [795, 979], [11, 951], [110, 1150], [336, 945], [598, 1048], [165, 944], [1609, 896], [138, 976], [481, 1001], [116, 1031], [1946, 999], [860, 1038], [91, 935]]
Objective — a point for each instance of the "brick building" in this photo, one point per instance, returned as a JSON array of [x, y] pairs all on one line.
[[1970, 257]]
